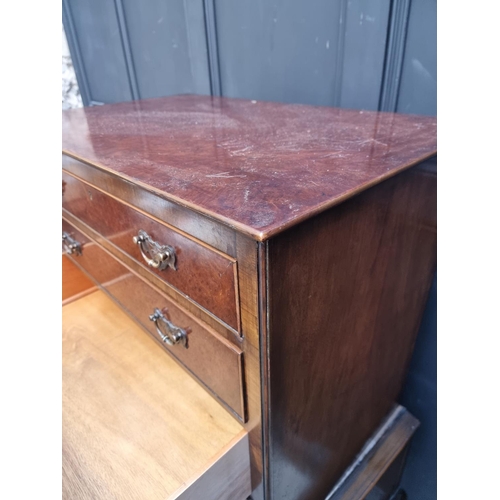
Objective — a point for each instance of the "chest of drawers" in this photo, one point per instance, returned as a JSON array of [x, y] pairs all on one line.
[[281, 254]]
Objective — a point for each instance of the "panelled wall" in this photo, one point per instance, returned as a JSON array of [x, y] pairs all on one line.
[[364, 54], [370, 54]]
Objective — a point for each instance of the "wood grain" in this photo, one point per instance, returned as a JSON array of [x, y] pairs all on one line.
[[245, 252], [106, 269], [193, 223], [385, 450], [135, 425], [259, 167], [205, 275], [213, 360], [331, 226], [228, 478], [248, 265], [346, 294], [174, 294]]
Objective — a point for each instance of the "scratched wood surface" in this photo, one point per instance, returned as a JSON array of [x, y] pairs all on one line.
[[257, 166], [346, 292], [135, 425]]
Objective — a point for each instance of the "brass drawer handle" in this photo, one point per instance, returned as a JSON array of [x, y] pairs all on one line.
[[172, 335], [71, 246], [157, 256]]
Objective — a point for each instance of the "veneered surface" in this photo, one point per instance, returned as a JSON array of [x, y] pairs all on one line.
[[205, 276], [214, 361], [257, 166], [346, 292]]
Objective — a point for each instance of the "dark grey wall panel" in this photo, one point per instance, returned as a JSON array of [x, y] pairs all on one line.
[[76, 56], [395, 47], [278, 50], [100, 44], [168, 46], [363, 55], [417, 93], [316, 52], [212, 47]]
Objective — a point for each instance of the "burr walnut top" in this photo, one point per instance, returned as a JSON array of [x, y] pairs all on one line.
[[257, 166]]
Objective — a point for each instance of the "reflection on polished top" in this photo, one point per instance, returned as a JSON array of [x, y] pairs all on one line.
[[258, 166]]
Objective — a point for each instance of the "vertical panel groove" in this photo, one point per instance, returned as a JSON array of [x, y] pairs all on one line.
[[393, 64], [196, 34], [189, 36], [337, 94], [212, 47], [129, 62], [76, 55]]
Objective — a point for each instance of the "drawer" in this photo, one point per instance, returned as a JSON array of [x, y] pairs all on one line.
[[74, 283], [213, 360], [134, 423], [105, 268], [201, 273]]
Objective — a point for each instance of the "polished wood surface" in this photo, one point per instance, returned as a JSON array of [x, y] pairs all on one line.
[[346, 292], [248, 266], [199, 226], [135, 425], [259, 167], [245, 251], [92, 257], [74, 283], [194, 308], [203, 274], [330, 225], [212, 359], [376, 472], [228, 477]]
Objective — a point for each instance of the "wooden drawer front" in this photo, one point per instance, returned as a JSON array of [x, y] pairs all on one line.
[[212, 359], [75, 284], [203, 274], [105, 268]]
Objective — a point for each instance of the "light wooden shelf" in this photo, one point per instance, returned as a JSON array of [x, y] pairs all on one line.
[[135, 424]]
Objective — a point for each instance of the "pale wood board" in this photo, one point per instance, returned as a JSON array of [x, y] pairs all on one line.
[[135, 425]]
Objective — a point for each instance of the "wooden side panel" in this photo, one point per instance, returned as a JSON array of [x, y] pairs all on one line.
[[228, 478], [248, 265], [346, 295]]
